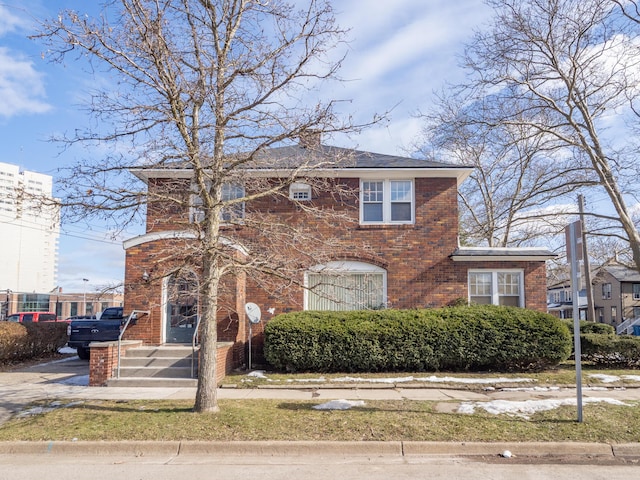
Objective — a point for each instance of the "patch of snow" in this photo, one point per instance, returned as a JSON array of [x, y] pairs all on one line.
[[528, 407], [339, 405], [531, 389], [46, 409], [373, 380], [605, 378], [614, 378], [393, 380], [67, 350], [307, 380], [434, 378]]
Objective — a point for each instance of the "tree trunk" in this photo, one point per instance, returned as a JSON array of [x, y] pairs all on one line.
[[207, 393]]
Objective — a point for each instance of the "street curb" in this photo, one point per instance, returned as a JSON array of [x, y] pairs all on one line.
[[518, 449], [297, 448], [310, 448]]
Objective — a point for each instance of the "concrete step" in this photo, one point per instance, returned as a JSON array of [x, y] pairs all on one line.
[[157, 362], [172, 351], [153, 372], [136, 382]]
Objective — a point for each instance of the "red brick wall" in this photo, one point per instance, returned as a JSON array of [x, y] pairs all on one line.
[[420, 272], [103, 361]]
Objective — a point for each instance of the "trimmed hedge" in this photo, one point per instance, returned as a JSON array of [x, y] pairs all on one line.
[[592, 327], [610, 350], [22, 341], [453, 338]]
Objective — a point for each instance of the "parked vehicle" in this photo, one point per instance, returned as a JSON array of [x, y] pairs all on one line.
[[105, 327], [28, 317], [80, 317]]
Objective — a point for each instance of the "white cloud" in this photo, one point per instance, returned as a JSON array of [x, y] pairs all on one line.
[[400, 53], [9, 22], [21, 86]]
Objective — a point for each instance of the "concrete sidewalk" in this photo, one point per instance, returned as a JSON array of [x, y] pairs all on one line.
[[68, 379]]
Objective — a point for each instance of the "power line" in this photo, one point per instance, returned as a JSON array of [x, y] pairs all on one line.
[[61, 232]]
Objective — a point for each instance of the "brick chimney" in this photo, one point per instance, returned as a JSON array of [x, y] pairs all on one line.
[[310, 138]]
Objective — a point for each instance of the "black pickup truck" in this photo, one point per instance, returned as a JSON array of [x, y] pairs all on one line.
[[105, 327]]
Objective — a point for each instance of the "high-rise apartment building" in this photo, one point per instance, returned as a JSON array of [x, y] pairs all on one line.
[[29, 231]]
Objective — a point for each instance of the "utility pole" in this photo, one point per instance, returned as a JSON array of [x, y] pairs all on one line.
[[585, 258]]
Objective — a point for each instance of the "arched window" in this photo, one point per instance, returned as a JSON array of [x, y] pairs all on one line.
[[345, 286]]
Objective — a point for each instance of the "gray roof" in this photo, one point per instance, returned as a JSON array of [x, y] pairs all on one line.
[[318, 159], [622, 273], [347, 158]]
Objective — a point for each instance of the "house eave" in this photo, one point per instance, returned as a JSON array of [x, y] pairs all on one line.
[[489, 254], [459, 173]]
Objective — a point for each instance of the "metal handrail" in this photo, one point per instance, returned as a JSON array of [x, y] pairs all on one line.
[[194, 340], [132, 316]]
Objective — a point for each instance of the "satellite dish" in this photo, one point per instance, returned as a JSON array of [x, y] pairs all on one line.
[[253, 312]]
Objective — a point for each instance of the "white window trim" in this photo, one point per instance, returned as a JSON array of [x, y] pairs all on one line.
[[342, 267], [495, 297], [386, 201]]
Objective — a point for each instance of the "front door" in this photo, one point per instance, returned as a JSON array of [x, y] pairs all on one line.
[[181, 308]]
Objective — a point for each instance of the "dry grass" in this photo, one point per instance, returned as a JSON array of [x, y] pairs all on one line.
[[290, 420]]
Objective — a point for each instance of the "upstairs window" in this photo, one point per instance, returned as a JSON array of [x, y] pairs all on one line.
[[229, 214], [606, 291], [234, 211], [300, 192], [636, 291], [386, 201]]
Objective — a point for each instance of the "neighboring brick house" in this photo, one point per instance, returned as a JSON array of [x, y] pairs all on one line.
[[616, 294], [404, 215]]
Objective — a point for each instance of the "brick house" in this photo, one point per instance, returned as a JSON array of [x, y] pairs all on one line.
[[401, 213]]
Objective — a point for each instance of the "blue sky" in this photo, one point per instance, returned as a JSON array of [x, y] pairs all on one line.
[[401, 52]]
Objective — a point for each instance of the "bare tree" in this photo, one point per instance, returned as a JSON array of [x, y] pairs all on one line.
[[567, 70], [518, 170], [204, 86]]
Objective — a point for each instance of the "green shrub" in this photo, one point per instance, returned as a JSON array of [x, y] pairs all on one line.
[[592, 327], [610, 350], [452, 338], [21, 341]]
